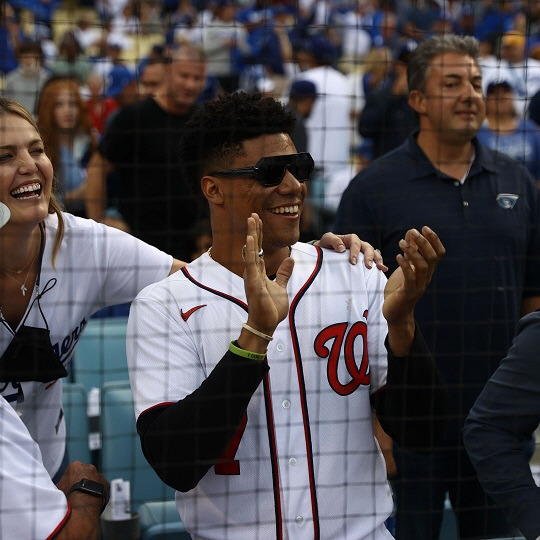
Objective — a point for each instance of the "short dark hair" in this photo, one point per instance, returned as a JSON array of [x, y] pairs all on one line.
[[215, 134], [420, 60]]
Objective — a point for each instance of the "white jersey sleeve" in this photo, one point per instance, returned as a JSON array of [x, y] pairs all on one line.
[[164, 364], [30, 504], [129, 264]]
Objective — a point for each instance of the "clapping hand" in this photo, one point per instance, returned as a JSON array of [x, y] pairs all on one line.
[[405, 287], [267, 300]]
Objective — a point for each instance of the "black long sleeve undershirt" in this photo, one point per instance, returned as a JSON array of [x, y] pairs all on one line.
[[184, 440], [413, 406]]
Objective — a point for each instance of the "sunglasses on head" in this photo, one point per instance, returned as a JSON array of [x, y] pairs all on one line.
[[269, 171]]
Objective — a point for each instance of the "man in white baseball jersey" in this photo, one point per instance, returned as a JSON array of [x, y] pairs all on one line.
[[254, 384]]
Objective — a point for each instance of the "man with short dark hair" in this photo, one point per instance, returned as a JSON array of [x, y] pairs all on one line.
[[154, 199], [255, 371], [485, 207]]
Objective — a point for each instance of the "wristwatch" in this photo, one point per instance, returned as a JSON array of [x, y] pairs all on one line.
[[96, 489]]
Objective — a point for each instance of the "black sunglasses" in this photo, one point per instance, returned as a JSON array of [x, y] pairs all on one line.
[[269, 171]]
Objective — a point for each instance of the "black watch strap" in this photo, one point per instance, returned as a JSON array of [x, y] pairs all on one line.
[[89, 487]]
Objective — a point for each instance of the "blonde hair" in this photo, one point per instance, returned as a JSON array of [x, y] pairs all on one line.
[[10, 106]]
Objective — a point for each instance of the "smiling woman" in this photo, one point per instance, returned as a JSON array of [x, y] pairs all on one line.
[[46, 290]]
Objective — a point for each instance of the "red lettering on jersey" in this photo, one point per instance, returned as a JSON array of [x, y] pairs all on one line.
[[337, 332], [227, 464], [190, 312]]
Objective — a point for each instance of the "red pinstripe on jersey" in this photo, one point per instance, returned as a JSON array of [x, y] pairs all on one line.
[[302, 387]]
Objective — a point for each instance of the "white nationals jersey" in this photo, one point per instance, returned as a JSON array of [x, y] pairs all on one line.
[[304, 462], [96, 266], [31, 507]]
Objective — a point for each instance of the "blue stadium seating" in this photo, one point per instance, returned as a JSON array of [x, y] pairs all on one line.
[[100, 355], [121, 454], [160, 521], [74, 405]]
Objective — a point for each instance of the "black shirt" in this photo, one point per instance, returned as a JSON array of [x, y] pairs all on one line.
[[158, 203], [489, 226]]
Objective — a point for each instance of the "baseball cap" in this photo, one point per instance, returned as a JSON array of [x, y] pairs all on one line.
[[513, 39], [499, 82], [119, 77], [321, 48], [303, 88], [501, 78]]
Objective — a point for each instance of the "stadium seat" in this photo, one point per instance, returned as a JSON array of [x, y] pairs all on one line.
[[160, 521], [74, 405], [100, 355], [121, 454]]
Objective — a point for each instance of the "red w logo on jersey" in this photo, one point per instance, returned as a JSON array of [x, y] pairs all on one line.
[[359, 373]]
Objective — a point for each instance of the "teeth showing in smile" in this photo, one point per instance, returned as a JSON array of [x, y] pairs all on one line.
[[30, 191], [285, 210]]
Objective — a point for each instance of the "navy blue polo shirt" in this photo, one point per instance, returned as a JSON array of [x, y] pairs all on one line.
[[489, 227]]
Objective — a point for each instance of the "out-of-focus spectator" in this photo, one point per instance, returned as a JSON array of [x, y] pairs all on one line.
[[302, 96], [496, 18], [505, 131], [98, 104], [329, 128], [181, 23], [268, 38], [41, 11], [88, 32], [224, 42], [355, 40], [25, 82], [122, 85], [373, 73], [141, 145], [152, 73], [11, 36], [464, 24], [68, 138], [387, 34], [422, 18], [387, 118], [71, 60], [114, 47], [524, 71]]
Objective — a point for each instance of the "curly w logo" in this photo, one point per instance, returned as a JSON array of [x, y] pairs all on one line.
[[344, 339]]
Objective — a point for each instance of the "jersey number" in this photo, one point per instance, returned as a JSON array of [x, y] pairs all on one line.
[[227, 464], [337, 332]]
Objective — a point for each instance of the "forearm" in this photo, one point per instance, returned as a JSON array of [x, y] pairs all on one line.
[[96, 192], [184, 440], [84, 521], [401, 336], [413, 406]]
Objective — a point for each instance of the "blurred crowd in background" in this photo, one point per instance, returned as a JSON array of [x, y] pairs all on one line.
[[346, 58]]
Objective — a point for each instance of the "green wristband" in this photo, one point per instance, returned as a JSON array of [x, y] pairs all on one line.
[[245, 354]]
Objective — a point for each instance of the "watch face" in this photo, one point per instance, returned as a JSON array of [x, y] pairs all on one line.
[[90, 485]]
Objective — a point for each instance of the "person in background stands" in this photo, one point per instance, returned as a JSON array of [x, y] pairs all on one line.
[[485, 208]]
